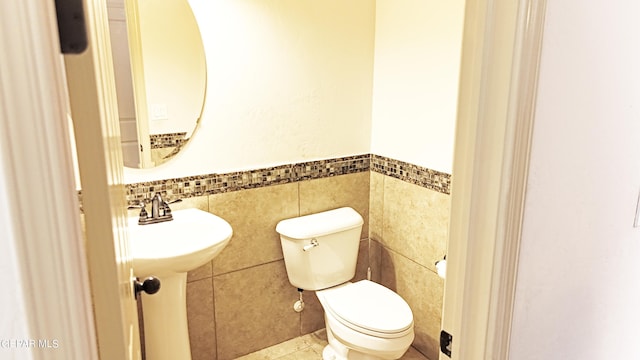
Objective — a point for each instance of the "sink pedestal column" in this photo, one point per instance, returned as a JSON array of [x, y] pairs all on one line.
[[166, 333]]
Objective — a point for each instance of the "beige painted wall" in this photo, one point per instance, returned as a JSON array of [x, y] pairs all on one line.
[[287, 81], [242, 301], [415, 90], [294, 80]]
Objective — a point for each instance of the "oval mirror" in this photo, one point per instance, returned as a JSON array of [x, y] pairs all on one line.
[[160, 71]]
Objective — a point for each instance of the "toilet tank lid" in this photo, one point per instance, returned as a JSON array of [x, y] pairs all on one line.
[[320, 224]]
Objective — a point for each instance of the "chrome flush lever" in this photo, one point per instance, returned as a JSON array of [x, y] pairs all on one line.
[[311, 245]]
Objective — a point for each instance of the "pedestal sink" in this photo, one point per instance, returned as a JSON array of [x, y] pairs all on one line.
[[168, 250]]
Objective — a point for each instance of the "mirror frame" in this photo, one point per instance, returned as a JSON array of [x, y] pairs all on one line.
[[148, 154], [137, 77]]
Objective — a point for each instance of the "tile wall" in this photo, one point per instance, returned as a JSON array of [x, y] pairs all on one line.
[[242, 301], [408, 231]]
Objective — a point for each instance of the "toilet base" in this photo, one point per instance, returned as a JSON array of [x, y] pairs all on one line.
[[330, 354], [356, 342], [336, 350]]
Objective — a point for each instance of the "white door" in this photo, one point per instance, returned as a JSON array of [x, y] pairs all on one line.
[[92, 98], [45, 305], [52, 272]]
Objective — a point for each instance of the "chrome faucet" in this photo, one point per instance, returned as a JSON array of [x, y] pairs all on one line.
[[160, 211], [157, 206]]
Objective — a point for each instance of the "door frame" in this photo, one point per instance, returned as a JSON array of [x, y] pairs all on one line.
[[498, 83], [73, 289], [39, 205], [93, 105]]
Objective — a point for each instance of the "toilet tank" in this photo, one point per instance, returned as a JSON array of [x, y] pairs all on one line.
[[321, 250]]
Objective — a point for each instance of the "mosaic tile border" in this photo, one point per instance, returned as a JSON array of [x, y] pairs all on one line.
[[218, 183], [414, 174], [160, 141]]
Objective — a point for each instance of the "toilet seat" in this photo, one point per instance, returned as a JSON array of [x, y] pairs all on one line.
[[368, 308]]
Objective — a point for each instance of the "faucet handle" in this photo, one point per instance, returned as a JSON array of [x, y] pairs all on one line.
[[167, 209], [137, 205], [167, 203], [140, 205]]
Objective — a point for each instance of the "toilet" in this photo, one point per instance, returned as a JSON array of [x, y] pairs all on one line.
[[364, 320]]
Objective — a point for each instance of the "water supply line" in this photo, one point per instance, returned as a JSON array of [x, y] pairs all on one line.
[[299, 305], [369, 254]]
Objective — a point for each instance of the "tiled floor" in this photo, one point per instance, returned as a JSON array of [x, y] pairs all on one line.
[[307, 347]]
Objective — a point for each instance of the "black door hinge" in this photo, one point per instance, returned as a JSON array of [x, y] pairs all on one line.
[[71, 26], [445, 342]]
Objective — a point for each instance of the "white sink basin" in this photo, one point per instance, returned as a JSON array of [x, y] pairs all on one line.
[[190, 240], [167, 250]]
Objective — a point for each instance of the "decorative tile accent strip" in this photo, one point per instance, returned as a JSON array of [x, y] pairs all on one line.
[[414, 174], [331, 167], [218, 183], [159, 141]]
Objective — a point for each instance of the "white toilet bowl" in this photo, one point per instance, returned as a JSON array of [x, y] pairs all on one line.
[[365, 321]]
